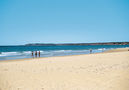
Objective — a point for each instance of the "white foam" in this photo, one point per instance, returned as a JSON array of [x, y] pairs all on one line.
[[49, 53], [62, 51], [15, 53], [101, 49], [9, 53]]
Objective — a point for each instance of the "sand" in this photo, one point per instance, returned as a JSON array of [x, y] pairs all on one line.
[[103, 71]]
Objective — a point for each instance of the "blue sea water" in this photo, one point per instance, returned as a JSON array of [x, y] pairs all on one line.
[[20, 52]]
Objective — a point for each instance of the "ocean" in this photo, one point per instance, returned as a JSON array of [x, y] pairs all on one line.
[[20, 52]]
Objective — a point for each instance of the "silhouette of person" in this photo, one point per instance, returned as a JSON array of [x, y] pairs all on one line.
[[32, 53], [90, 51], [39, 53], [35, 53]]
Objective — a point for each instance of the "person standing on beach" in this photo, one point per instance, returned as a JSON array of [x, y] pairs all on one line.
[[32, 53], [90, 51], [35, 53], [39, 53]]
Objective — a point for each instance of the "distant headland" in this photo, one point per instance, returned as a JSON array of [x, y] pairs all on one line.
[[80, 44]]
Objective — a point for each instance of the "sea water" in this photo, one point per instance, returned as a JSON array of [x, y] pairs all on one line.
[[20, 52]]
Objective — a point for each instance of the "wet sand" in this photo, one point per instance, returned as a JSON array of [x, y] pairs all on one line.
[[102, 71]]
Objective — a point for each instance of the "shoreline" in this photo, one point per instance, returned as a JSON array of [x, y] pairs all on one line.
[[101, 71], [107, 51]]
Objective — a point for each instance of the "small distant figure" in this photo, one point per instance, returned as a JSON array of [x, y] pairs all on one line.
[[90, 51], [32, 53], [39, 53], [128, 49], [35, 53]]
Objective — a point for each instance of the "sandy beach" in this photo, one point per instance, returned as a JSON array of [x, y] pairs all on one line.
[[101, 71]]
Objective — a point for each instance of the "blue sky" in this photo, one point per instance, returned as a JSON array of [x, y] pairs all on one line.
[[63, 21]]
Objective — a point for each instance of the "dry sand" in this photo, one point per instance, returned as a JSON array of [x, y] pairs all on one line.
[[104, 71]]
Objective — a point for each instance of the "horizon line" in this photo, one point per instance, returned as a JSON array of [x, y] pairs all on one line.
[[68, 43]]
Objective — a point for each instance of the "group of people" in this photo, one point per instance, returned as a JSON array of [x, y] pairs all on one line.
[[36, 53]]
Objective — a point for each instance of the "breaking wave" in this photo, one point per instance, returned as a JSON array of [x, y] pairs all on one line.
[[49, 52]]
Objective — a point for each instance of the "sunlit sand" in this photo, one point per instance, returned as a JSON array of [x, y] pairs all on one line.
[[102, 71]]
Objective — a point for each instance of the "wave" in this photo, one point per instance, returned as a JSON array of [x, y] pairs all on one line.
[[50, 52], [9, 53], [101, 49], [62, 50]]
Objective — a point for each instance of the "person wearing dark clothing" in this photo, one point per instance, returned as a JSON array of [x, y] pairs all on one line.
[[90, 51], [35, 53], [32, 53], [39, 53]]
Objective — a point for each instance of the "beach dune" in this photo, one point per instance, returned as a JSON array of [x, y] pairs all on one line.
[[101, 71]]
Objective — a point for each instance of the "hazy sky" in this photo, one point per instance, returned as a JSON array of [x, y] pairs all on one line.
[[63, 21]]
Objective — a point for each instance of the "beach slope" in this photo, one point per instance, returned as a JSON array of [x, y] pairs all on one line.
[[102, 71]]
